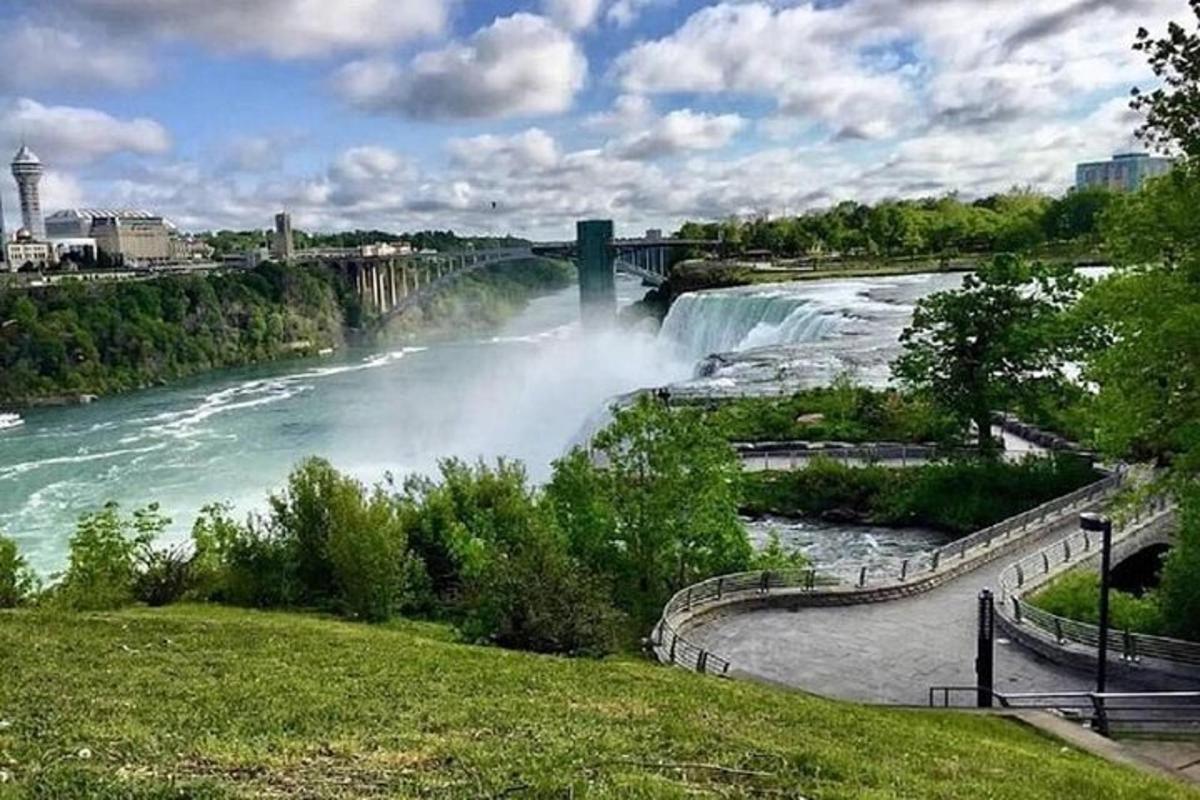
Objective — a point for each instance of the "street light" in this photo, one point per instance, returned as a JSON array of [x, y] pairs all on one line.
[[1098, 523]]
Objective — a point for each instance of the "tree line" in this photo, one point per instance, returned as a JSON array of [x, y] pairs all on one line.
[[1015, 221]]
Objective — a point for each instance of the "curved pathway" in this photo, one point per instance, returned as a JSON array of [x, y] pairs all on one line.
[[891, 652]]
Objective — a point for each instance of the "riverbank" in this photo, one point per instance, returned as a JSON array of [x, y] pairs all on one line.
[[72, 343]]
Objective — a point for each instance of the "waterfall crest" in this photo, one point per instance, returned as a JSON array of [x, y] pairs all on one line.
[[704, 323]]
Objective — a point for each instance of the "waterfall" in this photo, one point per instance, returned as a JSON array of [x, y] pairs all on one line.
[[704, 323]]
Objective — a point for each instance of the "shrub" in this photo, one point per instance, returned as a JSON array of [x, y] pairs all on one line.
[[535, 597], [1179, 591], [247, 565], [1076, 595], [104, 555], [162, 576], [17, 581], [775, 557], [368, 553]]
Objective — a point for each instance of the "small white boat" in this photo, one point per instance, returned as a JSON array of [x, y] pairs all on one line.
[[9, 421]]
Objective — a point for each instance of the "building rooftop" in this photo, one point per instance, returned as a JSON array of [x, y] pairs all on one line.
[[93, 213], [26, 156]]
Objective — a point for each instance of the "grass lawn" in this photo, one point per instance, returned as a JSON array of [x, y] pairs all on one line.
[[200, 702]]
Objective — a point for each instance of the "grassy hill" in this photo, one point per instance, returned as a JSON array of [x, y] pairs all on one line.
[[200, 702]]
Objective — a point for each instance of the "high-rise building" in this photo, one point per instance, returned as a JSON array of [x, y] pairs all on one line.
[[27, 169], [283, 245], [1125, 173]]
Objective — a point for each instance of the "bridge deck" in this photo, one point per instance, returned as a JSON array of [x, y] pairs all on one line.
[[892, 652]]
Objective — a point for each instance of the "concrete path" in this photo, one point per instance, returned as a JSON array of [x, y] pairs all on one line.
[[890, 652]]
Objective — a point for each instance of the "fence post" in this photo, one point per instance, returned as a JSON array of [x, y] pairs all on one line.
[[1020, 576], [904, 570], [764, 583], [689, 599], [862, 577], [1127, 647], [702, 662], [674, 641], [1017, 609], [1046, 562], [1066, 550], [1058, 630], [812, 579], [720, 587], [937, 556]]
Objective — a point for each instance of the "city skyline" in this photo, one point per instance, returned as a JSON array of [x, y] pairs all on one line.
[[528, 116]]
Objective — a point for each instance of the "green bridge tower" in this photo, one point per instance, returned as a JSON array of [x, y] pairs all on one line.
[[597, 275]]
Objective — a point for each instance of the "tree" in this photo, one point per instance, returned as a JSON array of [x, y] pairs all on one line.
[[655, 504], [1172, 110], [975, 350], [17, 581]]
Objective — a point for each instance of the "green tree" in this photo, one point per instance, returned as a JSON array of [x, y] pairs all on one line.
[[17, 581], [655, 504], [975, 350], [1172, 110]]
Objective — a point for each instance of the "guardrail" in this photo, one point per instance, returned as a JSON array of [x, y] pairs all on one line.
[[791, 456], [1038, 569], [915, 575], [1108, 712]]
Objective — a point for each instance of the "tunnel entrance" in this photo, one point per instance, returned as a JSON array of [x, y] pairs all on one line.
[[1141, 571]]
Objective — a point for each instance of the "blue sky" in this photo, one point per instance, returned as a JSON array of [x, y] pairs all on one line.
[[424, 113]]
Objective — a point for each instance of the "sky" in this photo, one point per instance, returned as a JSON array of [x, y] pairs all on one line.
[[523, 116]]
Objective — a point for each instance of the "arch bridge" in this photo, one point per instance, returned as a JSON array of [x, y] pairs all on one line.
[[390, 285]]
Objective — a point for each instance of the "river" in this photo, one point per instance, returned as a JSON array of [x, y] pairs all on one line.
[[525, 391]]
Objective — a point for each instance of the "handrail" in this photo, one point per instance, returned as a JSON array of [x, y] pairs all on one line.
[[1106, 711], [1035, 570], [672, 647]]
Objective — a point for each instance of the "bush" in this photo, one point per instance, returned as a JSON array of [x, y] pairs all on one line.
[[1179, 591], [102, 570], [368, 553], [17, 581], [775, 557], [535, 597], [162, 576], [960, 496], [247, 565], [1076, 595]]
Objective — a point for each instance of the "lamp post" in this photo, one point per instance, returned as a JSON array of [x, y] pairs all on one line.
[[1097, 523]]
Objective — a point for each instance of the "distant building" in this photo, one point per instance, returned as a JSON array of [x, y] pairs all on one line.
[[283, 245], [385, 249], [133, 241], [25, 249], [246, 259], [1126, 172], [27, 169], [76, 223], [78, 250], [189, 248]]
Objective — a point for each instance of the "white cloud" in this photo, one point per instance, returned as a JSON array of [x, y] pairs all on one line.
[[803, 57], [629, 112], [38, 56], [518, 66], [70, 135], [573, 15], [681, 131], [279, 28], [532, 149]]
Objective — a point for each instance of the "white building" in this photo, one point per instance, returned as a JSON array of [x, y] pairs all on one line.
[[27, 169], [24, 250]]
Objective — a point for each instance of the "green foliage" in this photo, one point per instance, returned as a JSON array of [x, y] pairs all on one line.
[[978, 349], [654, 505], [248, 565], [100, 338], [1147, 362], [1076, 595], [162, 576], [1017, 221], [1173, 108], [959, 497], [1179, 588], [775, 556], [17, 581], [843, 412], [105, 553]]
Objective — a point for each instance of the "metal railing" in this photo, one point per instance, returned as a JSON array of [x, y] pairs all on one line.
[[1037, 569], [1107, 712], [791, 456], [673, 647]]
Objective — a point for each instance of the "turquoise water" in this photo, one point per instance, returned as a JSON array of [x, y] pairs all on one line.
[[523, 391]]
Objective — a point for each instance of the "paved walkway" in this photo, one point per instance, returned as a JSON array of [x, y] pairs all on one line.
[[890, 652]]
